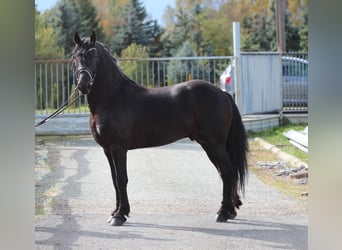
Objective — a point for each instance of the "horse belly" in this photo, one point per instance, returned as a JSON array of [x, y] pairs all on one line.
[[161, 129]]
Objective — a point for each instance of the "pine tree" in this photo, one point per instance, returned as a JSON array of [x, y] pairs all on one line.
[[255, 33], [134, 28], [87, 20], [70, 16]]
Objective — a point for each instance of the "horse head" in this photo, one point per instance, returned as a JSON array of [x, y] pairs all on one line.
[[85, 60]]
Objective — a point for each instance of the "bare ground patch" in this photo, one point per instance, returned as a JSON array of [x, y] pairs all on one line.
[[274, 171]]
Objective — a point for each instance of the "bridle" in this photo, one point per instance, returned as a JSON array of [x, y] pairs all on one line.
[[88, 72]]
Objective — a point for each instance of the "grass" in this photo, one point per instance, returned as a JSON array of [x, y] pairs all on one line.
[[275, 137]]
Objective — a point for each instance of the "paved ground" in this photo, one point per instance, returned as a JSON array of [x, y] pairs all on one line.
[[174, 193]]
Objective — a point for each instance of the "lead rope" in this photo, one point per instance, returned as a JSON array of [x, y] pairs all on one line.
[[71, 100]]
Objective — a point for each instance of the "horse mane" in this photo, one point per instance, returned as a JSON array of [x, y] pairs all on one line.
[[122, 74]]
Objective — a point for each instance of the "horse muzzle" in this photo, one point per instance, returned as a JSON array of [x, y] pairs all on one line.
[[85, 80]]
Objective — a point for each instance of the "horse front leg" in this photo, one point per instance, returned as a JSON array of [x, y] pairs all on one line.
[[110, 159], [118, 167]]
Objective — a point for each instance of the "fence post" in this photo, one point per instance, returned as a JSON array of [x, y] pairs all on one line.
[[237, 62]]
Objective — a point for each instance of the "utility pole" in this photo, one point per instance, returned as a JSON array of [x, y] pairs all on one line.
[[280, 21], [237, 65]]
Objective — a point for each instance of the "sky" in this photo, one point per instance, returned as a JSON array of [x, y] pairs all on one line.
[[154, 8]]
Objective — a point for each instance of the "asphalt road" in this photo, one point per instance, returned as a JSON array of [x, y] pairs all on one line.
[[174, 193]]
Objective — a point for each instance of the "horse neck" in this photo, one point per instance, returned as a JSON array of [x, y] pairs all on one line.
[[111, 83]]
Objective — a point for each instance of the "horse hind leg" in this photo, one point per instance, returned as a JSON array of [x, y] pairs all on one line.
[[218, 155], [231, 200]]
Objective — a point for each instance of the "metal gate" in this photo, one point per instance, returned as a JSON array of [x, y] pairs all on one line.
[[261, 83], [273, 82]]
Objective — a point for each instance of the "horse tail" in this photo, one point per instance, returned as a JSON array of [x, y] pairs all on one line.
[[237, 146]]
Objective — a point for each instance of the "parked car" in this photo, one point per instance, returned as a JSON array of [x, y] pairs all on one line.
[[295, 81], [227, 80]]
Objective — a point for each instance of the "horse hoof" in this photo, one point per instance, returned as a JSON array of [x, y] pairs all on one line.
[[232, 215], [238, 204], [221, 218], [110, 219], [118, 221]]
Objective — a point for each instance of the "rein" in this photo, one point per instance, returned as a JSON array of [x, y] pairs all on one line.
[[67, 104]]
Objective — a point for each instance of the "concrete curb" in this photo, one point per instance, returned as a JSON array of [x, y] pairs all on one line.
[[78, 124], [284, 156], [64, 125]]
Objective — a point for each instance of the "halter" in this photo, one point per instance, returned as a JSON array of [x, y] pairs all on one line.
[[88, 72]]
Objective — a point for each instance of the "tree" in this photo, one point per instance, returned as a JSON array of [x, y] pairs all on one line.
[[178, 71], [155, 47], [292, 34], [182, 25], [70, 16], [110, 14], [303, 33], [139, 70], [134, 28], [259, 32], [182, 29], [216, 32], [46, 46], [255, 35]]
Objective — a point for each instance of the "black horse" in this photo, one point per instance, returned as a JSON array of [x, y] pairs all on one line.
[[125, 115]]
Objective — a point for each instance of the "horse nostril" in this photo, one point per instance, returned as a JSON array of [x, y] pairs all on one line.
[[84, 88]]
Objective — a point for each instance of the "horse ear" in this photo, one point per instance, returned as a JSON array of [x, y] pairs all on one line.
[[93, 38], [77, 39]]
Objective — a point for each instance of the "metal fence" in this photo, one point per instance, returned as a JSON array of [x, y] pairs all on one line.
[[55, 79], [54, 83]]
